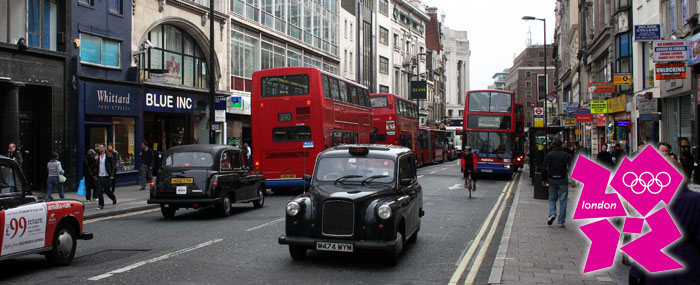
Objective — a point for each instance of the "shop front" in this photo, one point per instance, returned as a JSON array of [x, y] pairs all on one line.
[[238, 120], [620, 125], [110, 114]]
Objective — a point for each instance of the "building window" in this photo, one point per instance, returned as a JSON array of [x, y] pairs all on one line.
[[397, 80], [245, 58], [450, 112], [461, 113], [396, 41], [383, 89], [528, 94], [272, 56], [37, 21], [115, 6], [352, 67], [100, 51], [384, 7], [383, 36], [528, 83], [345, 61], [87, 2], [351, 32], [175, 58], [383, 65], [623, 61], [346, 29]]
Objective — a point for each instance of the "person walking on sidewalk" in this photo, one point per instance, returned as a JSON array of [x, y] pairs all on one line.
[[469, 167], [14, 154], [105, 173], [556, 170], [115, 162], [146, 165], [90, 174], [604, 156], [54, 167], [248, 153]]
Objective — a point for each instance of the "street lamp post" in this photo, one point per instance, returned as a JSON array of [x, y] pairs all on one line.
[[212, 80], [544, 22]]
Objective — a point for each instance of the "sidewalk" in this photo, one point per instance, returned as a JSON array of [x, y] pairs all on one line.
[[531, 252], [129, 199]]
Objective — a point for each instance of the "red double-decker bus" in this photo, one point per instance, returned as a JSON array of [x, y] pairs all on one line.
[[489, 129], [298, 112], [395, 121], [519, 145], [432, 146]]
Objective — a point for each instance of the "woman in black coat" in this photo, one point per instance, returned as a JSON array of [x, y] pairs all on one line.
[[90, 173]]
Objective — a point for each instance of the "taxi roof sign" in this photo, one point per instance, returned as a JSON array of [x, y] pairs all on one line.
[[358, 150]]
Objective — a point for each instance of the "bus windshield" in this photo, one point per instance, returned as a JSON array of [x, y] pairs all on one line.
[[285, 85], [486, 101], [490, 144]]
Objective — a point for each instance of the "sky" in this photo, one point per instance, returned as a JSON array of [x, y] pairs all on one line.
[[496, 31]]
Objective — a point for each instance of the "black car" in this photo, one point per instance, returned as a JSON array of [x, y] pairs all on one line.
[[197, 176], [362, 197]]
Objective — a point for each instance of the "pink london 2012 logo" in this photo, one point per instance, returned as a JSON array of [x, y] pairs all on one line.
[[643, 183]]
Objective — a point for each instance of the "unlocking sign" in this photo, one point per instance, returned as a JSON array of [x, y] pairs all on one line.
[[643, 183]]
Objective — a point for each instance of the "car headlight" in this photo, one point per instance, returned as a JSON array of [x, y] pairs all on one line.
[[384, 212], [293, 208]]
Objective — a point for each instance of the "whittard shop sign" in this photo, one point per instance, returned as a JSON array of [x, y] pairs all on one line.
[[107, 99]]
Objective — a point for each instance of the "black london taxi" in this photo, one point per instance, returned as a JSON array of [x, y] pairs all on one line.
[[362, 197], [199, 176]]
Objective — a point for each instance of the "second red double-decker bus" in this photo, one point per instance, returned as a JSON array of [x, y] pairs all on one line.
[[519, 145], [395, 121], [297, 112], [489, 119]]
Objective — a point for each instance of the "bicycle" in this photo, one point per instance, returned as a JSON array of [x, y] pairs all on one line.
[[469, 184]]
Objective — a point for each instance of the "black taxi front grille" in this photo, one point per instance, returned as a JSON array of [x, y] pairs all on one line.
[[338, 218]]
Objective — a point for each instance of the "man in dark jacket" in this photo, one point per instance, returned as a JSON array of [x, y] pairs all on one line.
[[105, 174], [146, 165], [604, 156], [14, 154], [556, 171]]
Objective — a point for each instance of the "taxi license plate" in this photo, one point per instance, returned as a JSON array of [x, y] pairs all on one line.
[[181, 190], [332, 246], [288, 176], [188, 180], [487, 170]]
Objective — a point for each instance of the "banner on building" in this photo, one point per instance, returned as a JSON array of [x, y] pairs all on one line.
[[647, 33], [667, 71], [675, 50], [600, 120], [622, 79], [694, 48], [599, 107], [539, 122], [569, 122], [646, 104], [584, 118], [601, 87], [617, 104]]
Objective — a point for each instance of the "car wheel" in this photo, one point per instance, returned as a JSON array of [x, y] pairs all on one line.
[[395, 255], [224, 208], [64, 244], [261, 197], [297, 252], [168, 212]]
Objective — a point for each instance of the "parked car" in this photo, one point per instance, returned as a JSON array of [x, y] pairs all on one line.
[[362, 197], [198, 176], [30, 226]]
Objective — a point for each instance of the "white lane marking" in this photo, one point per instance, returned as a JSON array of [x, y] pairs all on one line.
[[265, 224], [433, 172], [472, 248], [482, 251], [420, 176], [456, 186], [120, 216], [152, 260]]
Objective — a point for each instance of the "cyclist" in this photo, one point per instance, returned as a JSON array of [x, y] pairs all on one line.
[[469, 167]]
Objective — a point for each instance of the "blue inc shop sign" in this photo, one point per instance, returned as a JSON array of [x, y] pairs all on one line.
[[169, 102], [107, 99]]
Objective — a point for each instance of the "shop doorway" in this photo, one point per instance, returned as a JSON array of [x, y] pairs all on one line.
[[35, 133], [95, 135], [163, 132]]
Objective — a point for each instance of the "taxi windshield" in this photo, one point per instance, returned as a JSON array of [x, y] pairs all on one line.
[[355, 169], [189, 159]]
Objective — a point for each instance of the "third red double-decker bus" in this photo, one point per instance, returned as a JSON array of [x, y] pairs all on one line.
[[519, 145], [489, 129], [298, 112], [431, 146], [395, 121]]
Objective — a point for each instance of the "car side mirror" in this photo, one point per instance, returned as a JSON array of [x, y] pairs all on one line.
[[307, 177], [406, 181]]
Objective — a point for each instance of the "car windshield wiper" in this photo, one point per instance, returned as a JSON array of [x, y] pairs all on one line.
[[341, 179], [372, 178]]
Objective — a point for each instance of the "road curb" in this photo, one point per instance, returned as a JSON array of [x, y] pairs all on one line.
[[499, 262], [119, 212]]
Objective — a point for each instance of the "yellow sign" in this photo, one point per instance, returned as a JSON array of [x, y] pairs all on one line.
[[617, 104], [578, 132], [570, 122], [188, 180], [539, 123], [599, 107], [622, 79]]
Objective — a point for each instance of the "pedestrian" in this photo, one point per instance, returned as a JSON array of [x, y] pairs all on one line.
[[618, 154], [666, 150], [55, 169], [146, 165], [469, 167], [685, 209], [687, 161], [556, 171], [14, 154], [115, 162], [248, 153], [604, 156], [90, 174], [105, 173]]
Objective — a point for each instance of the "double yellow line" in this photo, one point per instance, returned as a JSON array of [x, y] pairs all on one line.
[[492, 223]]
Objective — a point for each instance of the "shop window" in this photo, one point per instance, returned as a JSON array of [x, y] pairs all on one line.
[[124, 142]]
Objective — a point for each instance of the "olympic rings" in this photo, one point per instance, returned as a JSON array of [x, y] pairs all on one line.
[[648, 183]]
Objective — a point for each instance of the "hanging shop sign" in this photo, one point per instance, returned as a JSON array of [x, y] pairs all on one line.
[[599, 106], [113, 100], [601, 87], [539, 122], [617, 104], [584, 118], [646, 104], [600, 120], [669, 71], [569, 122], [647, 33], [670, 51], [694, 50], [622, 79]]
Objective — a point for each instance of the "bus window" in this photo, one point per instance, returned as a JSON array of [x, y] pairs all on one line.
[[353, 91], [362, 99], [353, 98], [286, 85], [334, 89], [326, 87], [379, 102], [291, 134], [500, 102], [366, 93], [342, 89]]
